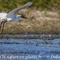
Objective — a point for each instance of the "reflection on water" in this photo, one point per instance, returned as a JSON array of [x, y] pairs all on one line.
[[29, 49]]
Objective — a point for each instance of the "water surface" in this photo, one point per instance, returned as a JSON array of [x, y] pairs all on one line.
[[29, 49]]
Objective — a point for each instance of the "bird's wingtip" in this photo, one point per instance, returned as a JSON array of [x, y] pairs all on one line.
[[30, 3]]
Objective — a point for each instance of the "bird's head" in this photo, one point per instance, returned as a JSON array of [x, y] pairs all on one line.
[[21, 16]]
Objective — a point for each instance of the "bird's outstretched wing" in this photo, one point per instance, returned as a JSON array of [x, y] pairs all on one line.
[[13, 12]]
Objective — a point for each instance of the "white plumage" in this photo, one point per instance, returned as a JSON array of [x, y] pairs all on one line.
[[3, 15]]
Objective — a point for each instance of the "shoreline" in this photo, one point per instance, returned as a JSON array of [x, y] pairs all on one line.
[[29, 36]]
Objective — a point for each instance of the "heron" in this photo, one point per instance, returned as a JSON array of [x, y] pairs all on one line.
[[12, 15]]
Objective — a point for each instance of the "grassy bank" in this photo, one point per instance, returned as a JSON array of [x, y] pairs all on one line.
[[37, 22], [28, 26]]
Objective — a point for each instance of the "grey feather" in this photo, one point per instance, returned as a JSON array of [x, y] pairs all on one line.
[[13, 12]]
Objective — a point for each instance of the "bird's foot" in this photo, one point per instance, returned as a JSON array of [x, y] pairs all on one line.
[[0, 31]]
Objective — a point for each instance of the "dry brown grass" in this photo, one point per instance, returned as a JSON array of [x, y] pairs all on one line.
[[30, 26]]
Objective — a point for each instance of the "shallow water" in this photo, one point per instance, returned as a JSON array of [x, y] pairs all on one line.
[[29, 49]]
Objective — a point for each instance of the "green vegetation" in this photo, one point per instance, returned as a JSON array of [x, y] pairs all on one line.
[[8, 5]]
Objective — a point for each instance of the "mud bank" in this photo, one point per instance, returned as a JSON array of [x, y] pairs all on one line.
[[29, 36]]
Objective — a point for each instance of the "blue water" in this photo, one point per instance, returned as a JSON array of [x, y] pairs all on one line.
[[29, 49]]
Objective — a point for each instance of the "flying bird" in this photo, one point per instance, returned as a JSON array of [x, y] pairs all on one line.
[[12, 15]]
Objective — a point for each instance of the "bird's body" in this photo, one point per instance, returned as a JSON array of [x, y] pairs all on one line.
[[3, 15], [12, 15]]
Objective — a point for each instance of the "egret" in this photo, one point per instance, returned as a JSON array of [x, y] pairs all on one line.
[[12, 15]]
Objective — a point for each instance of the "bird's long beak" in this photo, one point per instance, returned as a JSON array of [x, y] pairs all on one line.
[[24, 17]]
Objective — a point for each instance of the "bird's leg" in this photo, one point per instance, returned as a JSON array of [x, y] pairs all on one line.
[[3, 25], [0, 25]]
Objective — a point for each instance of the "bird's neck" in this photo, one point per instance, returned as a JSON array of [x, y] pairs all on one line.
[[18, 17]]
